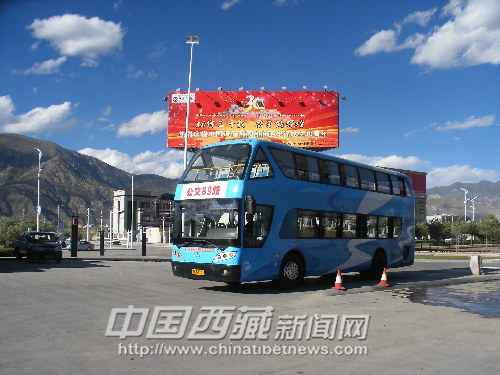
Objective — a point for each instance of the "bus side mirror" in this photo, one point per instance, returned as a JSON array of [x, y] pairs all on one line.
[[249, 204]]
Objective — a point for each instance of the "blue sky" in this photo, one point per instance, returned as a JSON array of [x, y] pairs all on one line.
[[421, 78]]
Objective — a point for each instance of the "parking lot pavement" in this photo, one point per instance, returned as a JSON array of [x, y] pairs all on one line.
[[54, 319]]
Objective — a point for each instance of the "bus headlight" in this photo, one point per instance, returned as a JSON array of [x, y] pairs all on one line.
[[226, 255], [177, 254]]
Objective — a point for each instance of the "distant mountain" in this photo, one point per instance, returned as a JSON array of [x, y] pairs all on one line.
[[69, 179], [450, 199]]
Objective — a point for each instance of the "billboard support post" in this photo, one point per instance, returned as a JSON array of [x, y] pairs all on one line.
[[189, 40]]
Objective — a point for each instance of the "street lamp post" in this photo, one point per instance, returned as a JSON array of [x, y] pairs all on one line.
[[38, 208], [189, 40], [132, 227], [473, 207], [465, 203], [102, 204], [59, 217], [88, 222]]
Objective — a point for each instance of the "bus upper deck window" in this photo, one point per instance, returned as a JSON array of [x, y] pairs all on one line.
[[398, 187], [383, 183], [286, 162], [351, 176], [407, 189], [367, 179], [261, 168], [330, 173]]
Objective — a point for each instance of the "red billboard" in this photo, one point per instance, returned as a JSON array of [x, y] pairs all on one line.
[[418, 180], [308, 119]]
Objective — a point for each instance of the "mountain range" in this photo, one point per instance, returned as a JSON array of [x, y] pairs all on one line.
[[75, 181], [69, 179], [450, 199]]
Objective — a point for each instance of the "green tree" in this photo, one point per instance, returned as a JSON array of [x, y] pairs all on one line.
[[436, 230], [11, 228], [489, 228], [458, 229], [422, 230]]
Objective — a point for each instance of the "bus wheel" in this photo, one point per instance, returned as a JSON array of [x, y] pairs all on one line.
[[379, 262], [291, 272]]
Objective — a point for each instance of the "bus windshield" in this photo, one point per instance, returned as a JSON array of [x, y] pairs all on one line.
[[225, 162], [212, 222]]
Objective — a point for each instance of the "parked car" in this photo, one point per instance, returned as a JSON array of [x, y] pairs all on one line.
[[38, 245], [84, 245]]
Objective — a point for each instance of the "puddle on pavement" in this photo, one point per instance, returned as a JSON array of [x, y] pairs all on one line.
[[485, 303]]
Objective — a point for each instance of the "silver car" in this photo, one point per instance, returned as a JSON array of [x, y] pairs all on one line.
[[85, 245]]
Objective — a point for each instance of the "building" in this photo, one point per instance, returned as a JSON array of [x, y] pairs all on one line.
[[419, 183], [150, 211], [444, 218]]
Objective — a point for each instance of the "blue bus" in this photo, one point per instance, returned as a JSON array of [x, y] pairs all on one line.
[[252, 210]]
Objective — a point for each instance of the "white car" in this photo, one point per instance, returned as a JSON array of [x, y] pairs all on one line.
[[85, 245]]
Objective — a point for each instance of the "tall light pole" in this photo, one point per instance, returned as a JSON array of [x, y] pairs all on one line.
[[102, 204], [132, 214], [59, 218], [465, 203], [88, 222], [38, 208], [473, 207], [189, 40]]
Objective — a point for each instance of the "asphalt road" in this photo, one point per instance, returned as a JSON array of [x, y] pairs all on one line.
[[54, 319]]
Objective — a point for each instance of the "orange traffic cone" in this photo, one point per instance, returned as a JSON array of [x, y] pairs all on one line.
[[383, 280], [338, 282]]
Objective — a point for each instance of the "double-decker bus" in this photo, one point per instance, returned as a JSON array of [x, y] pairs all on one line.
[[252, 210]]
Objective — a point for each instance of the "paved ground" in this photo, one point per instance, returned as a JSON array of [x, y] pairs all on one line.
[[54, 318], [154, 252]]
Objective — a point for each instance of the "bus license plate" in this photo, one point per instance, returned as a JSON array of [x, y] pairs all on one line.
[[197, 272]]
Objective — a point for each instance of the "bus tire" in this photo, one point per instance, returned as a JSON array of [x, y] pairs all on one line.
[[291, 272], [379, 262]]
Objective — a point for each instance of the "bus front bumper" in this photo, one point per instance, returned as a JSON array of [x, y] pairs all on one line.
[[212, 272]]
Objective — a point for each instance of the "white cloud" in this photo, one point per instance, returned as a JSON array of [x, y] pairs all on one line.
[[6, 109], [228, 4], [421, 18], [117, 4], [444, 176], [383, 41], [168, 163], [105, 113], [46, 67], [470, 35], [392, 161], [159, 50], [133, 73], [54, 118], [75, 35], [349, 130], [145, 123], [470, 122]]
